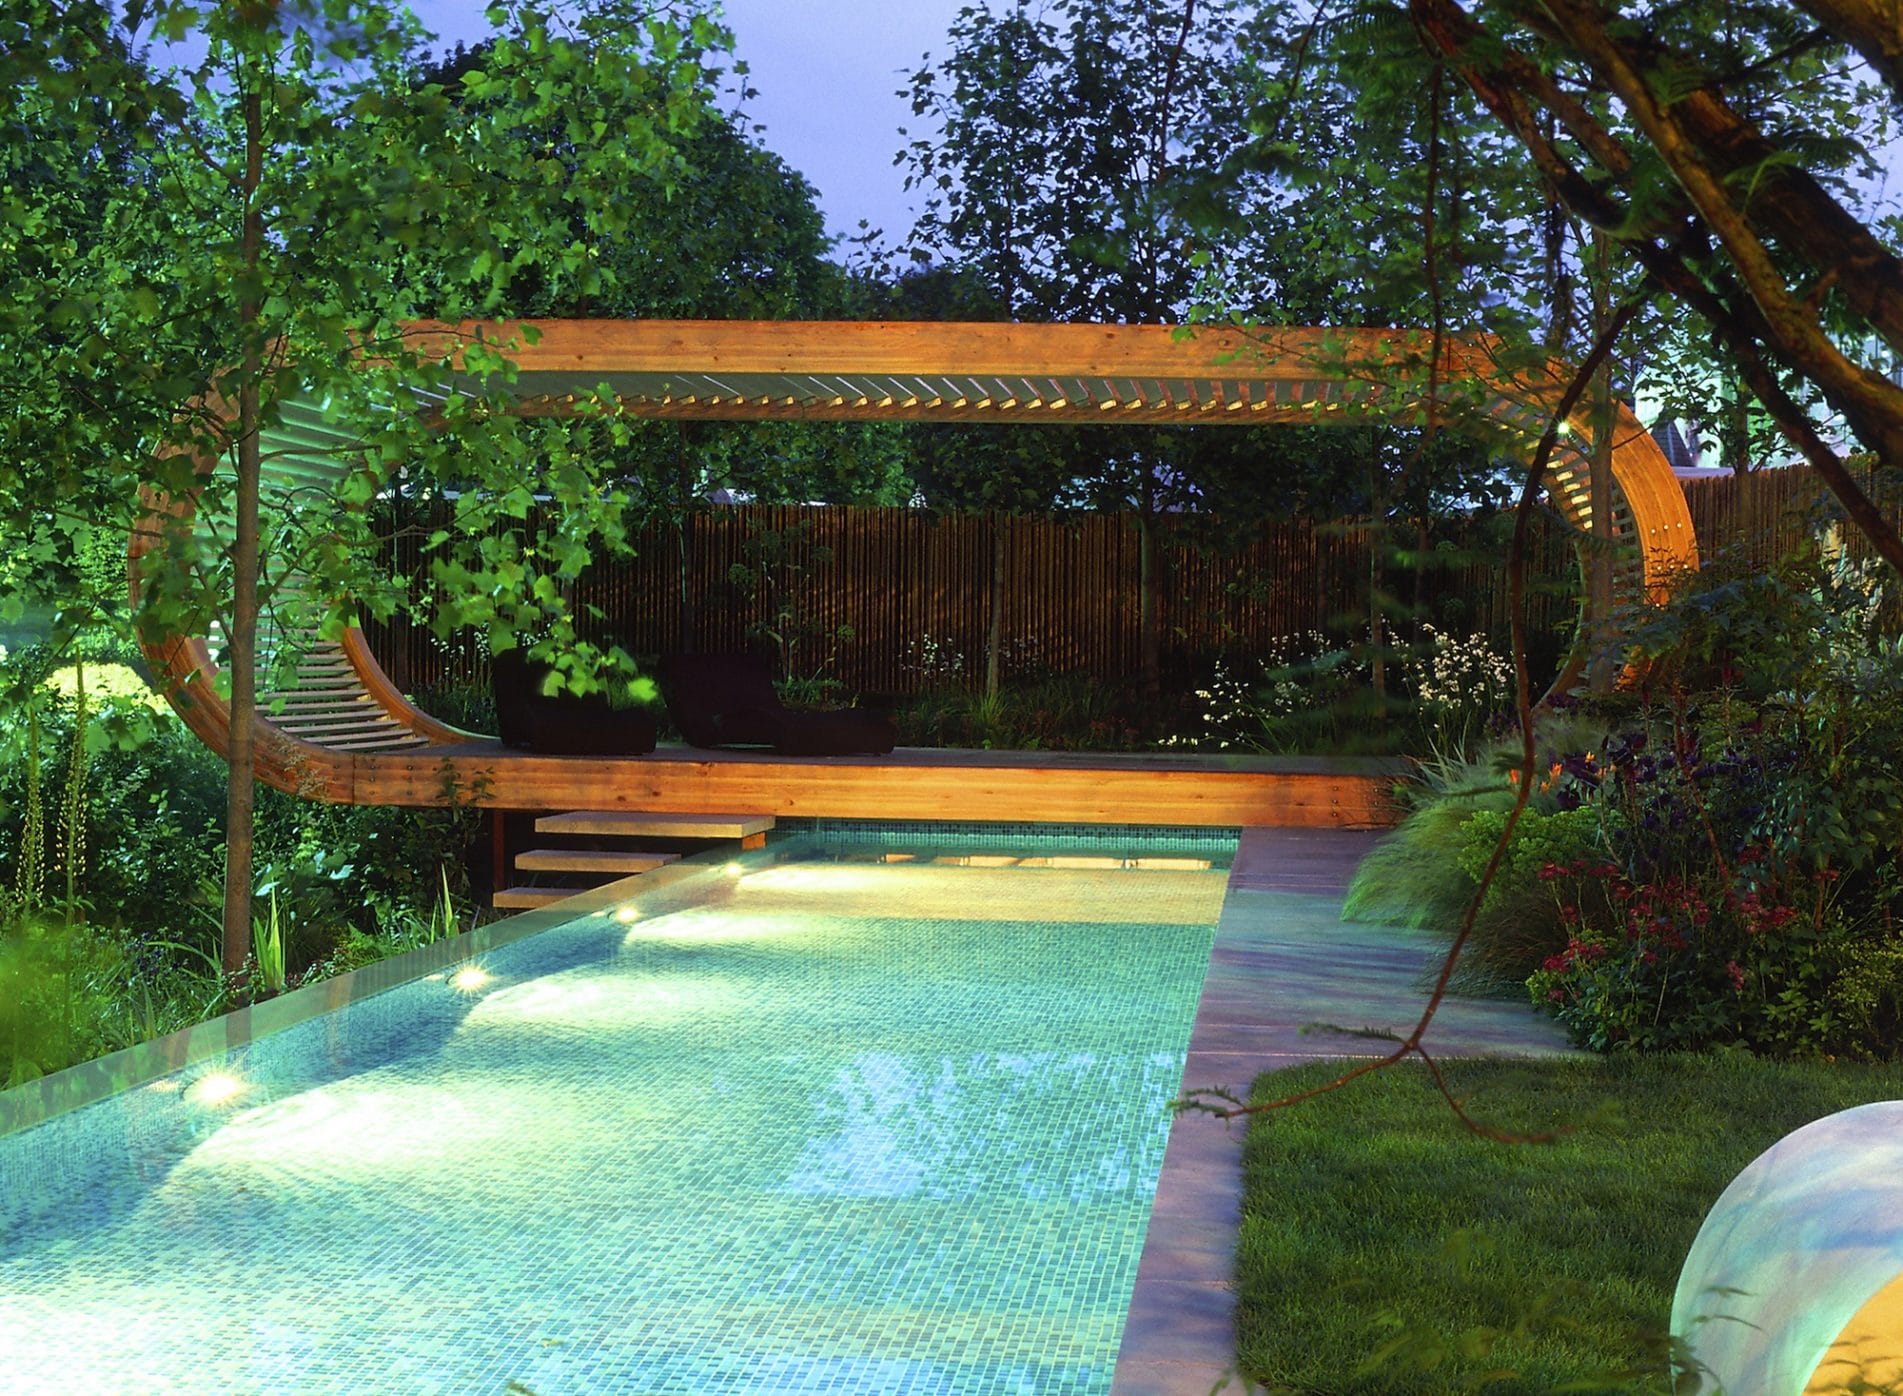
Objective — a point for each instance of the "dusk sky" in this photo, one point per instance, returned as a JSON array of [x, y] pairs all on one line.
[[827, 73]]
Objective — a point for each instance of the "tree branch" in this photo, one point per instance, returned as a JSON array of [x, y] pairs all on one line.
[[1411, 1045]]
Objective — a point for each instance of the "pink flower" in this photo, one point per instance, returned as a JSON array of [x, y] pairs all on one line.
[[1735, 972]]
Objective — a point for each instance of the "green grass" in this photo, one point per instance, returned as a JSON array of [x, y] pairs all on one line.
[[1372, 1220]]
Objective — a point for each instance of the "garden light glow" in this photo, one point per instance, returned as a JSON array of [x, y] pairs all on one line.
[[215, 1088]]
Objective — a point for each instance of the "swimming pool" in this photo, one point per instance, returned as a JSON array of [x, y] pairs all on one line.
[[820, 1126]]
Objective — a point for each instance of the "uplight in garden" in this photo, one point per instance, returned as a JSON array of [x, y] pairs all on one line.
[[215, 1088]]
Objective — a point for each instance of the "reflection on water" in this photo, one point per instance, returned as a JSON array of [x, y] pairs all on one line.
[[862, 1133], [891, 1126]]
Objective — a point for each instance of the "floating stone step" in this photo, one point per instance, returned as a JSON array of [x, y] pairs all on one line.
[[591, 860], [667, 826], [528, 898]]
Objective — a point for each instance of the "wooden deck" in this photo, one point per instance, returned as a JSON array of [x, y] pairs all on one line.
[[912, 783]]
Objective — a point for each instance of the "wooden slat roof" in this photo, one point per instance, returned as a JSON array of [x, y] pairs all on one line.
[[885, 371]]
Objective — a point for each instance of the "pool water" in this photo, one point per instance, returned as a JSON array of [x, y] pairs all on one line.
[[819, 1127]]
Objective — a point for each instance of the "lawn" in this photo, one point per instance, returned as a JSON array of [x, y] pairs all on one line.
[[1385, 1249]]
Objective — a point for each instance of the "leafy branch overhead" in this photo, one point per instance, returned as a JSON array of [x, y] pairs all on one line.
[[1733, 168]]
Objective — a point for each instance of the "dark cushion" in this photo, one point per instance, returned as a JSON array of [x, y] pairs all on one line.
[[841, 732], [562, 724], [729, 700], [513, 685]]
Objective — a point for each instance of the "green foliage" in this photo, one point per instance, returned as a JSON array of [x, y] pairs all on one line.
[[1460, 685], [1718, 865], [267, 950], [135, 956], [1519, 923], [1058, 712], [1426, 873], [57, 990], [782, 579], [259, 227], [1412, 878], [1306, 693], [153, 812]]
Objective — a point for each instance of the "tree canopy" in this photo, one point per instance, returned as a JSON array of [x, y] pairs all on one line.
[[246, 228], [1730, 151]]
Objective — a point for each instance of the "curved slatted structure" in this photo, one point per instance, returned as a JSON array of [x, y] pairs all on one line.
[[339, 730]]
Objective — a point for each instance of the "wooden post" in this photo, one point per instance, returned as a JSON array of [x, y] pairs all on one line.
[[498, 850]]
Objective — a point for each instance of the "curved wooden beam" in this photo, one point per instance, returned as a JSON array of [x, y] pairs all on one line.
[[1017, 374]]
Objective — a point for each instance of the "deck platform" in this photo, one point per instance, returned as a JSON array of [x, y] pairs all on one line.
[[911, 784]]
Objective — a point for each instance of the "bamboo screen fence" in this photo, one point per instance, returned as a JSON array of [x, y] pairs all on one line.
[[1765, 514], [887, 599]]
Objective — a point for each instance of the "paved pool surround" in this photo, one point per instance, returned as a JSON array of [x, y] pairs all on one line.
[[1283, 960]]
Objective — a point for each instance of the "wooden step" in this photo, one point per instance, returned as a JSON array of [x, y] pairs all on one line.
[[589, 860], [403, 738], [338, 726], [528, 898], [643, 826]]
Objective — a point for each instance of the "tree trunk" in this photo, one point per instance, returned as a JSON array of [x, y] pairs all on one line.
[[994, 636], [684, 544], [1601, 670], [1734, 431], [1149, 586], [1377, 636], [1377, 622], [241, 655]]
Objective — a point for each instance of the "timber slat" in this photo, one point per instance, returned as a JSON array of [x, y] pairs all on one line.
[[310, 731], [528, 898], [329, 703], [391, 743], [590, 860], [627, 824]]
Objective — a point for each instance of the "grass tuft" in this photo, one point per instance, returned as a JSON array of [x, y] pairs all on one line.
[[1383, 1249]]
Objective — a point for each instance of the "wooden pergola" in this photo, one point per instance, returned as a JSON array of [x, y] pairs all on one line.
[[344, 733]]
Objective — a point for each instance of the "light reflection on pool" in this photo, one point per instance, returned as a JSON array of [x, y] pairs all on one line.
[[839, 1128]]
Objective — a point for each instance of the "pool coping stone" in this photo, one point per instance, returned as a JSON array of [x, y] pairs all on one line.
[[1264, 996]]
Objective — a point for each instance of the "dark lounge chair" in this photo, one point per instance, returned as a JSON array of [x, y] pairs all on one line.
[[729, 700], [562, 724]]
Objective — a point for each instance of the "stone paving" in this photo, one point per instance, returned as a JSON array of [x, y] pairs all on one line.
[[1283, 960]]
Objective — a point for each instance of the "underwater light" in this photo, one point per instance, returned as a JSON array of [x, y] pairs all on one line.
[[215, 1088], [733, 870], [469, 978], [628, 913]]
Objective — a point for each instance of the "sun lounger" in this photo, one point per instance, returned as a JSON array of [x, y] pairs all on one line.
[[562, 724], [720, 700]]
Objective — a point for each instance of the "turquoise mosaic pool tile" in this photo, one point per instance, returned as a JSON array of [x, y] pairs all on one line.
[[788, 1139], [1218, 844]]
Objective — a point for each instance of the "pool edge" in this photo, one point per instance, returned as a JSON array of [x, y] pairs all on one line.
[[62, 1092]]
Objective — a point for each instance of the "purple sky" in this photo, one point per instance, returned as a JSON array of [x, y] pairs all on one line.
[[827, 73]]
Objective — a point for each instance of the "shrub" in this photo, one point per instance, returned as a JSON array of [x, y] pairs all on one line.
[[1459, 686], [133, 955], [1306, 693], [1519, 924], [57, 991], [1423, 875], [1750, 886]]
